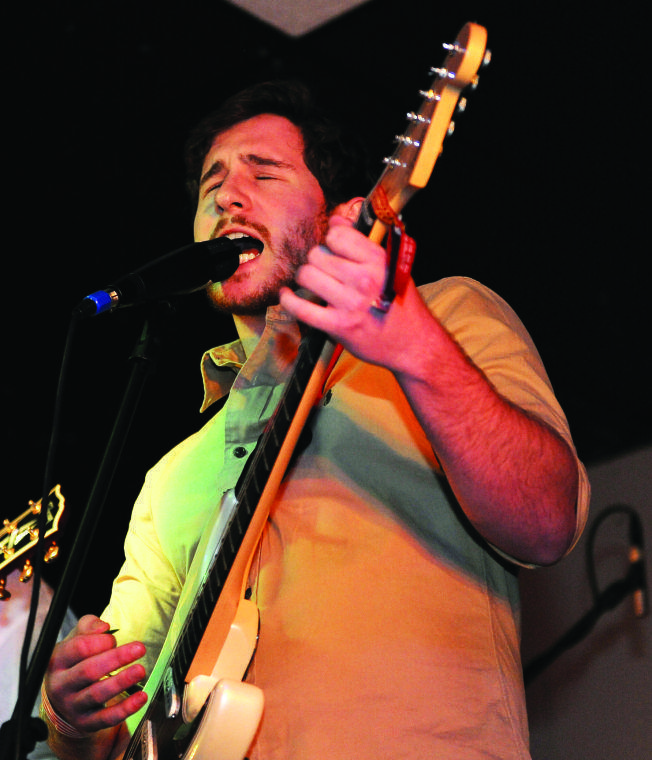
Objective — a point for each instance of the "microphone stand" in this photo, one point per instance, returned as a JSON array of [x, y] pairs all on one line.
[[607, 600], [22, 731], [633, 583]]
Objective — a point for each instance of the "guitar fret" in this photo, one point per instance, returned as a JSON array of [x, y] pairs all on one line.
[[249, 490]]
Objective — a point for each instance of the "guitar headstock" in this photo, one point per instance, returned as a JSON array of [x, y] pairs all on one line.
[[19, 538], [410, 166]]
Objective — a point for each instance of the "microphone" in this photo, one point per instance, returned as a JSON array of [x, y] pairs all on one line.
[[637, 566], [180, 272]]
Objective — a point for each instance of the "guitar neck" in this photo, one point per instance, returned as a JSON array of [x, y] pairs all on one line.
[[255, 478], [253, 481], [261, 475]]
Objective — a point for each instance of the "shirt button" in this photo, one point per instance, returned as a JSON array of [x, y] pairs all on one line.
[[239, 452]]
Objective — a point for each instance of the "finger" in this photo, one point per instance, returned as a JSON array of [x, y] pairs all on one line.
[[115, 714], [89, 624], [327, 319], [110, 715], [361, 273], [339, 293], [348, 242], [302, 309], [338, 219], [99, 666], [108, 689], [80, 647]]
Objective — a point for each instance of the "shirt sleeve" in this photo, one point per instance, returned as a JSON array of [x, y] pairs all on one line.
[[495, 339], [146, 590]]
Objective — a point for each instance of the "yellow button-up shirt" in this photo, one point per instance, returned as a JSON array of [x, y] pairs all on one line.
[[389, 628]]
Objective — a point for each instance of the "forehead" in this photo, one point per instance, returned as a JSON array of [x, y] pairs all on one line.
[[266, 134]]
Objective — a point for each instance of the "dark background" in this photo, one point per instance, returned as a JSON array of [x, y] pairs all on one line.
[[542, 194]]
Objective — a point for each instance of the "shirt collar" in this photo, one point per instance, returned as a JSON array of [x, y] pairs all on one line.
[[220, 365]]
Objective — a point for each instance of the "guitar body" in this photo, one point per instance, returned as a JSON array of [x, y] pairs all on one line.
[[198, 707], [224, 727], [229, 722]]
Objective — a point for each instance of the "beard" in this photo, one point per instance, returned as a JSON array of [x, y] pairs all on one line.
[[244, 293]]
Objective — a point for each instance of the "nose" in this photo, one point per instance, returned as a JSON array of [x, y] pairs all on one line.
[[231, 194]]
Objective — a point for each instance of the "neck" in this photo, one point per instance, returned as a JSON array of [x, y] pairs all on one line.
[[250, 329]]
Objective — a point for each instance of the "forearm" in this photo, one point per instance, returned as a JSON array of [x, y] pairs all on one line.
[[515, 478], [101, 746], [107, 744]]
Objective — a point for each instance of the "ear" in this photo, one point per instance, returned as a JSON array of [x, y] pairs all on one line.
[[349, 210]]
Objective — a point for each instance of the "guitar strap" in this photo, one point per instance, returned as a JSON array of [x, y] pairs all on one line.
[[400, 249]]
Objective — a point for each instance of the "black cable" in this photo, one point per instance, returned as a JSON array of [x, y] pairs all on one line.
[[603, 600], [18, 729]]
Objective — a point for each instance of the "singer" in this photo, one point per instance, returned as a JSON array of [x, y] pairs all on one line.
[[435, 463]]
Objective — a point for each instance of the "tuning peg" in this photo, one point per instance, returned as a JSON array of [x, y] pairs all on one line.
[[430, 95], [442, 73], [27, 572], [395, 162], [455, 47], [485, 62], [52, 553], [405, 140], [35, 506], [4, 594], [418, 118]]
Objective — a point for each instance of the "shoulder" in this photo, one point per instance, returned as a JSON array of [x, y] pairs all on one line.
[[464, 295]]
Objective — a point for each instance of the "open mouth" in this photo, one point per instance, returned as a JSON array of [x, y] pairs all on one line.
[[249, 246]]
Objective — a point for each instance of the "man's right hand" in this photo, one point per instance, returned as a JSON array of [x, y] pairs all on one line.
[[88, 675]]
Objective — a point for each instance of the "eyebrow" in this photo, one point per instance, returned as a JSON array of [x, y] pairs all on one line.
[[249, 158]]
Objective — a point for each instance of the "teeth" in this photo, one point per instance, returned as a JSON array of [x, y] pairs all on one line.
[[252, 252], [244, 257]]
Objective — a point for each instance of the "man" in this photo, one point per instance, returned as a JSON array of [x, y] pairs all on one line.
[[438, 461]]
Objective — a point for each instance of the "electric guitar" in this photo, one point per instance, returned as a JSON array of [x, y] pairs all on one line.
[[198, 707], [19, 538]]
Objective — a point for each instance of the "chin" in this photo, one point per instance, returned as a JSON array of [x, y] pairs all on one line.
[[242, 301]]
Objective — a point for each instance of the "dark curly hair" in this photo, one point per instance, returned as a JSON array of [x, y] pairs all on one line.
[[336, 158]]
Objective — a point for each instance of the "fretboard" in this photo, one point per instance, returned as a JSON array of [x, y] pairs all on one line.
[[248, 492]]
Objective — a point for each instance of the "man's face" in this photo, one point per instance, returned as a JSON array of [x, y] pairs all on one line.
[[255, 182]]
